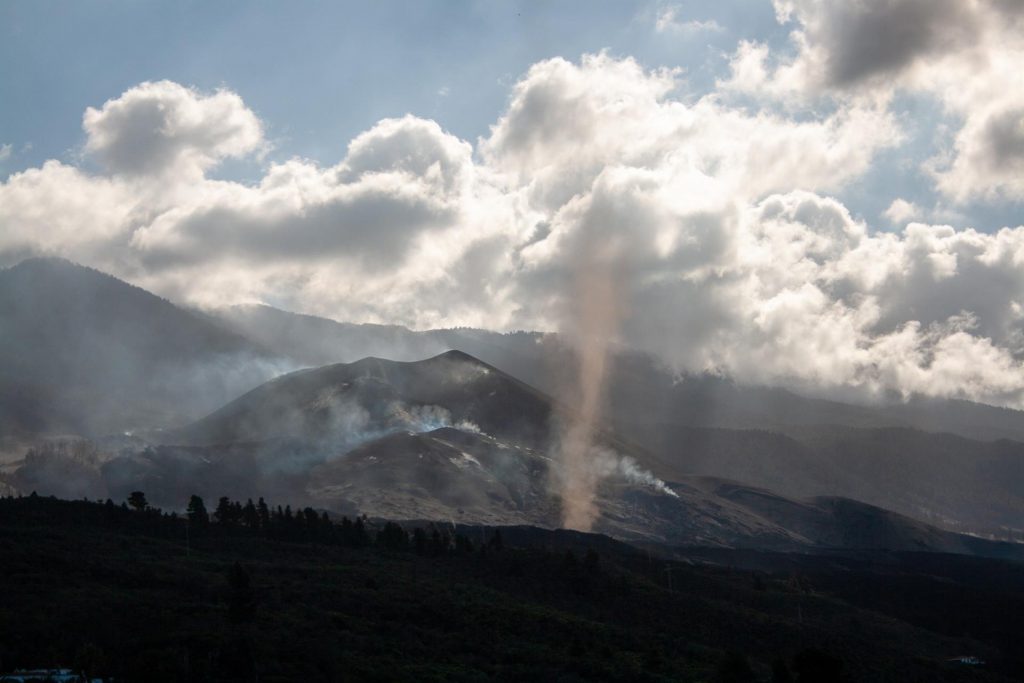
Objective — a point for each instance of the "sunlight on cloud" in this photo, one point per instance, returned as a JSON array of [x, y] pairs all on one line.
[[733, 258], [963, 53]]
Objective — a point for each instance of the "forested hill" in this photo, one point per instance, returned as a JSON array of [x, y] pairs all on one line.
[[288, 595]]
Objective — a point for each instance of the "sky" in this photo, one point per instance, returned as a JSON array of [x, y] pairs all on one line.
[[821, 194]]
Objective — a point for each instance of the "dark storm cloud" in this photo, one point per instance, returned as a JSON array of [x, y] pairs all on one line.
[[872, 38]]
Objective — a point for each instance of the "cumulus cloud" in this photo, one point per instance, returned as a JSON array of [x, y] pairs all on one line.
[[729, 253], [963, 53], [850, 43], [566, 124], [901, 211], [988, 159], [57, 208], [164, 128]]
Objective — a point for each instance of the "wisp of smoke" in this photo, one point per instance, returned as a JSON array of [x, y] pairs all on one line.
[[632, 472], [427, 418]]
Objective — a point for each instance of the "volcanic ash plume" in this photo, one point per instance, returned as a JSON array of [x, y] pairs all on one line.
[[595, 321]]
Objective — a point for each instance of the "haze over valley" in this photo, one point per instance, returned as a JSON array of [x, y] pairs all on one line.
[[444, 434]]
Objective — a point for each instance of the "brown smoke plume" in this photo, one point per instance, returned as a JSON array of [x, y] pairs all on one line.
[[595, 319]]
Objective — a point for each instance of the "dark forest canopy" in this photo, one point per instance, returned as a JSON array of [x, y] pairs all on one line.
[[240, 588]]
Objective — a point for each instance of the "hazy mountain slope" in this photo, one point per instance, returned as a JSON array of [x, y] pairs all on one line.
[[468, 478], [452, 438], [81, 351], [945, 479], [321, 341], [709, 401], [463, 477], [768, 437], [348, 402], [444, 474], [844, 523], [642, 389], [318, 341]]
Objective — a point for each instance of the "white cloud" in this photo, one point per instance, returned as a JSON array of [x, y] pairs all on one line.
[[59, 209], [988, 158], [725, 251], [164, 128], [669, 21], [964, 53], [5, 152], [901, 211]]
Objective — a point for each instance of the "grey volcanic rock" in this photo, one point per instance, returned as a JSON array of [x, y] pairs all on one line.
[[453, 439], [349, 403]]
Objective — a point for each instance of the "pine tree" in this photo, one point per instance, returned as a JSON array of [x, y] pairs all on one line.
[[223, 514], [393, 537], [438, 545], [264, 513], [197, 515], [137, 500], [326, 528], [360, 538], [250, 517], [419, 541]]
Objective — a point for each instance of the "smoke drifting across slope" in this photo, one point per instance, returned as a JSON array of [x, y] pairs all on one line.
[[82, 352]]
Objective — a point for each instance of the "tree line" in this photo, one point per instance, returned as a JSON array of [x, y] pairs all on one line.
[[283, 523]]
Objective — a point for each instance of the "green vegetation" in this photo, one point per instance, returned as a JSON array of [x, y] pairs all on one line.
[[252, 589]]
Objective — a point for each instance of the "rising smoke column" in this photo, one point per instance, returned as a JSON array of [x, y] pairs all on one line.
[[595, 318]]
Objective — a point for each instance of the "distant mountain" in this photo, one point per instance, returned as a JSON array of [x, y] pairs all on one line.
[[348, 403], [84, 352], [453, 438], [317, 341], [469, 478], [944, 461], [947, 480], [712, 401], [642, 389]]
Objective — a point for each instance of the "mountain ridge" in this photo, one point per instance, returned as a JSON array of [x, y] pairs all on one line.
[[521, 354], [111, 357], [84, 352]]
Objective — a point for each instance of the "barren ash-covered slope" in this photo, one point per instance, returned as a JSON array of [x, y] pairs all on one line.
[[349, 401], [956, 464], [452, 438], [457, 438]]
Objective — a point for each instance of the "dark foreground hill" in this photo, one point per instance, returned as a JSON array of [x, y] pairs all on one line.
[[121, 594]]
